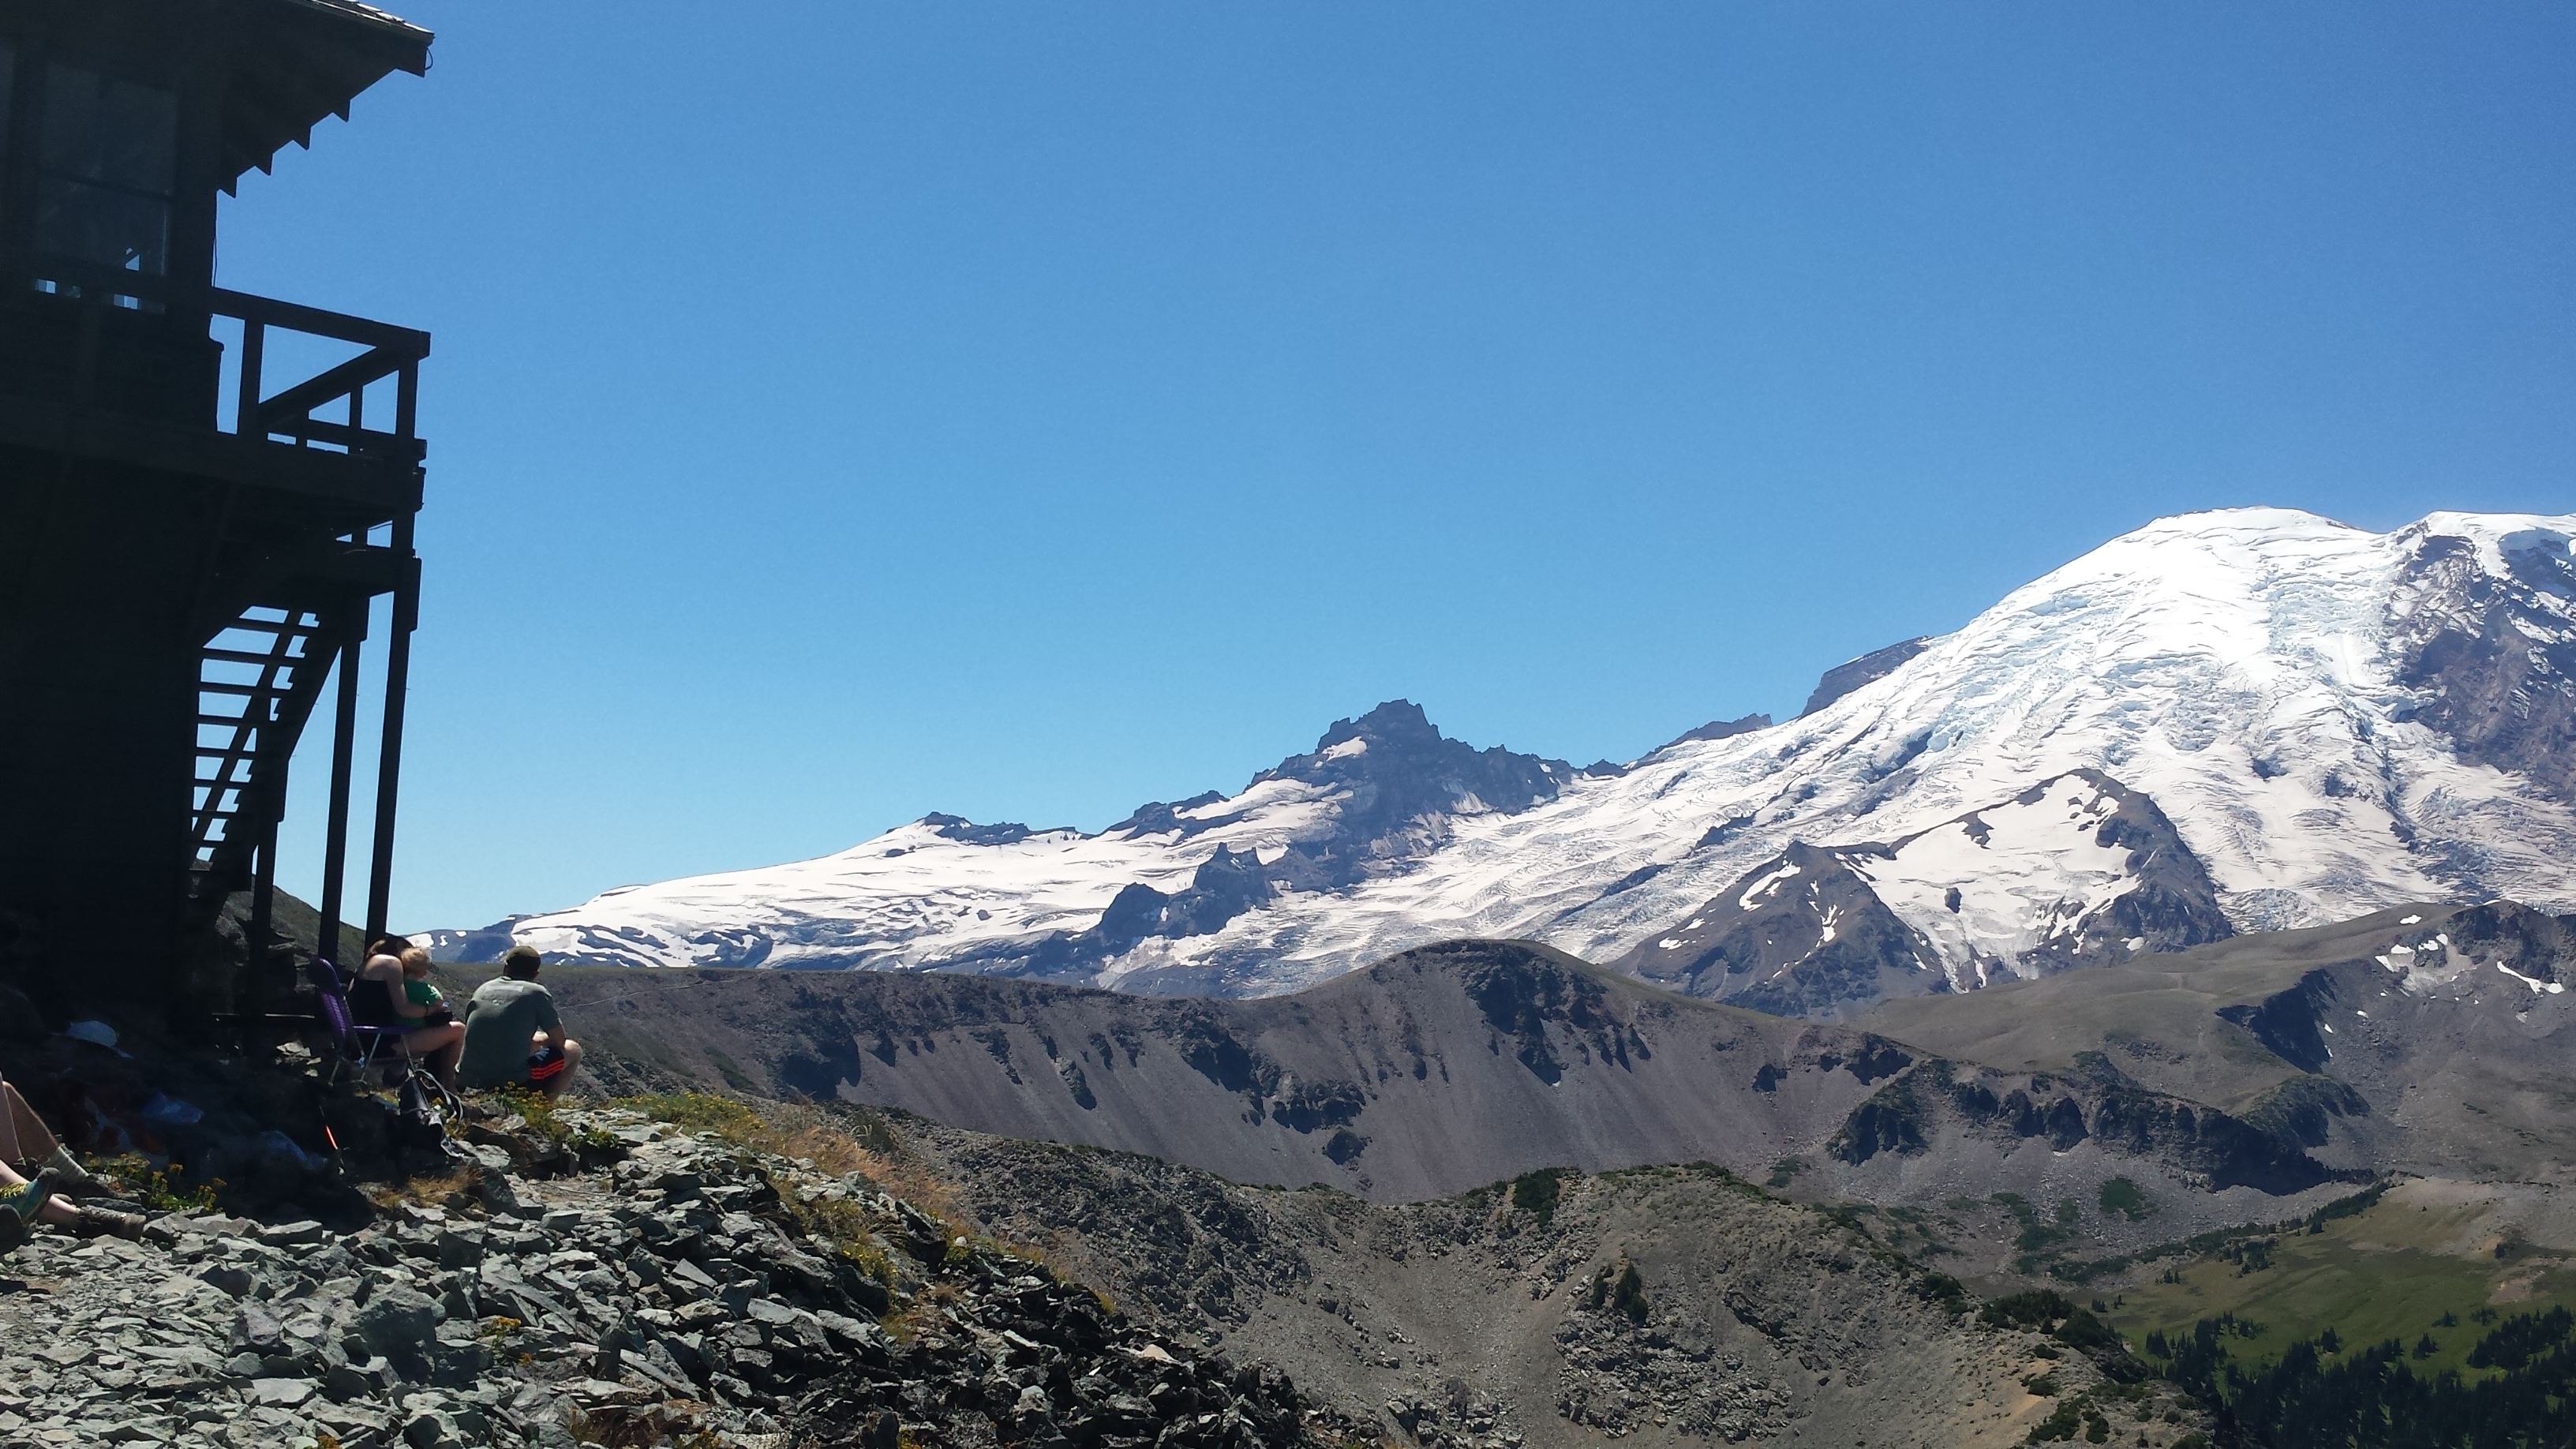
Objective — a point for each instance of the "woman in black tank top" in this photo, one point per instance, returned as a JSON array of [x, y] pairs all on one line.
[[376, 999]]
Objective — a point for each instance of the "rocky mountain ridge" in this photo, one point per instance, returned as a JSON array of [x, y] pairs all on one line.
[[1466, 1063]]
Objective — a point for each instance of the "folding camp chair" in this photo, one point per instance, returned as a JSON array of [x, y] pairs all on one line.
[[354, 1047], [360, 1048]]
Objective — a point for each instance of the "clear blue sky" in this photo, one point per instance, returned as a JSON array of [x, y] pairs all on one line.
[[844, 412]]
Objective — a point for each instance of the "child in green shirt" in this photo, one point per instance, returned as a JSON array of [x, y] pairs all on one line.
[[418, 989]]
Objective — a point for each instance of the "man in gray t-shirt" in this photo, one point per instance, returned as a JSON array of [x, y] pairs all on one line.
[[512, 1035]]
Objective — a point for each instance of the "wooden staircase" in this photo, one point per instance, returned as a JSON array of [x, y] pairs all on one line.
[[258, 681]]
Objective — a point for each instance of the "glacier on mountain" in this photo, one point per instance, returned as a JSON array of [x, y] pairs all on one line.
[[2334, 721], [2077, 870]]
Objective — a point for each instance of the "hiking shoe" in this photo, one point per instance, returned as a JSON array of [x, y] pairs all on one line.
[[22, 1203], [74, 1179], [19, 1210], [95, 1221]]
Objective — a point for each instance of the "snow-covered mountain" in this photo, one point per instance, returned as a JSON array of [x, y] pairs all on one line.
[[2331, 721], [2077, 870]]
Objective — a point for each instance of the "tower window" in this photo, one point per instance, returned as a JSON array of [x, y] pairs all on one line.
[[106, 169]]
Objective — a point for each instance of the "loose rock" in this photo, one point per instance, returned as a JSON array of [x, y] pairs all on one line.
[[667, 1297]]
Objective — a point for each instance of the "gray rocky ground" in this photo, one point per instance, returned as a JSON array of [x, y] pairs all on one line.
[[663, 1292]]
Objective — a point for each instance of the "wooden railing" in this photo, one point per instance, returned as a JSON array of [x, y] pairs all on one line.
[[287, 415]]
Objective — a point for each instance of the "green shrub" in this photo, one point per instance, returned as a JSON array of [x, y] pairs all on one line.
[[538, 1111], [2083, 1330], [2038, 1308], [2123, 1198], [1536, 1193], [1621, 1289], [2063, 1422], [1943, 1289], [162, 1189]]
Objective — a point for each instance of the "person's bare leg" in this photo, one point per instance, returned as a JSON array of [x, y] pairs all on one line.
[[451, 1049], [24, 1137], [441, 1047], [10, 1103], [572, 1063]]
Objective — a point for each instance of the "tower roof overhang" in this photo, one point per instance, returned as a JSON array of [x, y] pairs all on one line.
[[277, 67], [297, 62]]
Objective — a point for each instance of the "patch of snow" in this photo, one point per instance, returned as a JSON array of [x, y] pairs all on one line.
[[1765, 886], [2023, 874], [2533, 982]]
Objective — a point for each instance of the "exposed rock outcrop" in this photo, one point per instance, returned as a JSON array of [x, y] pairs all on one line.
[[676, 1297], [2092, 870], [2492, 655], [1824, 948], [1851, 674]]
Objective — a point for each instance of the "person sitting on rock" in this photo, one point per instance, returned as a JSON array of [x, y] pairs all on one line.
[[512, 1035], [24, 1139], [378, 998], [28, 1145]]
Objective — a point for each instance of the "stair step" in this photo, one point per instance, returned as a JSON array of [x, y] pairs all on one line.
[[244, 656]]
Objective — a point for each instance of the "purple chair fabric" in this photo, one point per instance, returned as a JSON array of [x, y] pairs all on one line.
[[355, 1045]]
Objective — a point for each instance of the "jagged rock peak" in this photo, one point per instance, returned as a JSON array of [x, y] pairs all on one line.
[[1726, 729], [1394, 719], [1851, 674], [967, 832], [1417, 770]]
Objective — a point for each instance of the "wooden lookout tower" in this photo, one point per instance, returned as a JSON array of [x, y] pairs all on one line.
[[191, 535]]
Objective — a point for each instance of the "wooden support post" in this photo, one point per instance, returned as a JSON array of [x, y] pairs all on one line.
[[246, 407], [263, 904], [344, 749], [380, 878]]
